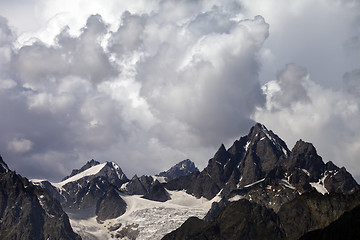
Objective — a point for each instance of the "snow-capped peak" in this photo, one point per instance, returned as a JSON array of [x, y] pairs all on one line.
[[88, 172]]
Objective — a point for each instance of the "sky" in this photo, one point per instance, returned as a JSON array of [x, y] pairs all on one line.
[[147, 84]]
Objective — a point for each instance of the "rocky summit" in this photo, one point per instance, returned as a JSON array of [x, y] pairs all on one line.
[[296, 184], [181, 169], [260, 167]]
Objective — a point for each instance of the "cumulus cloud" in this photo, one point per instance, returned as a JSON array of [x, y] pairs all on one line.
[[149, 83], [160, 88]]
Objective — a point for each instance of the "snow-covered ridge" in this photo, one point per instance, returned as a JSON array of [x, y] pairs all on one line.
[[88, 172]]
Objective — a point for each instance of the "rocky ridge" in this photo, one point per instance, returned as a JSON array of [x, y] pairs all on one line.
[[260, 167], [28, 211]]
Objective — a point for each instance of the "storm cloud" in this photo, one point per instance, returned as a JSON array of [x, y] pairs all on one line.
[[149, 83]]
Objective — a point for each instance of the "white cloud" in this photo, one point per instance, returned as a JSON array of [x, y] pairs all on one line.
[[20, 145], [148, 83]]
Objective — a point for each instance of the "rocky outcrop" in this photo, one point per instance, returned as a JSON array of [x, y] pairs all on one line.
[[313, 210], [345, 227], [139, 186], [181, 169], [29, 212], [157, 192], [147, 186], [111, 205], [239, 220]]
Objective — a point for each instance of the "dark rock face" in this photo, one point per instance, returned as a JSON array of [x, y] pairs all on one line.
[[139, 186], [346, 227], [181, 169], [157, 192], [86, 191], [295, 218], [148, 187], [53, 191], [29, 212], [111, 205], [239, 220], [304, 156], [3, 166], [313, 210], [340, 181]]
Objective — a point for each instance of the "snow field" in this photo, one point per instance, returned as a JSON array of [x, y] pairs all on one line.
[[151, 219]]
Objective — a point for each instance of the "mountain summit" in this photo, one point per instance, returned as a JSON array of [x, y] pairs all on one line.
[[181, 169], [261, 168]]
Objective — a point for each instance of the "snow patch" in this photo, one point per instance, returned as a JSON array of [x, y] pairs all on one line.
[[88, 172], [236, 198], [319, 186], [306, 171], [247, 145], [286, 183], [252, 184], [219, 163], [160, 179]]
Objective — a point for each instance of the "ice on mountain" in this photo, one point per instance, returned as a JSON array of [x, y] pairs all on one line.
[[88, 172]]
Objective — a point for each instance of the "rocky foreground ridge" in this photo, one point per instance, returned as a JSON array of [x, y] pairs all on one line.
[[28, 211]]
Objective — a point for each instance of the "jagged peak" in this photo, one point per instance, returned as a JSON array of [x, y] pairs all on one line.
[[260, 132], [303, 146], [304, 156], [221, 150]]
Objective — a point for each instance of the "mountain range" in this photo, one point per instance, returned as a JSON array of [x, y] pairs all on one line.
[[256, 189]]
